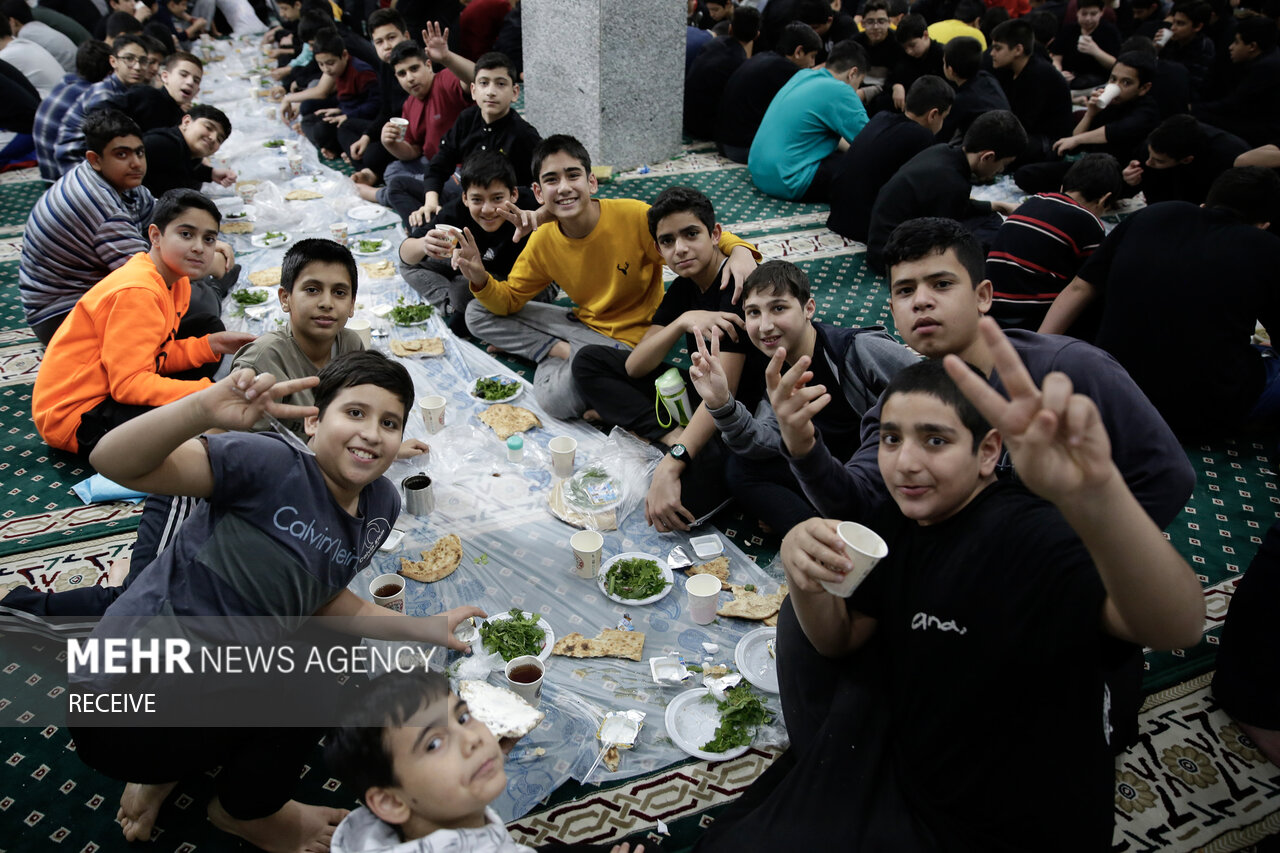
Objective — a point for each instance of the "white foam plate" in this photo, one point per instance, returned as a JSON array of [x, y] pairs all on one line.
[[753, 660], [383, 245], [367, 212], [662, 564], [505, 380], [691, 722], [542, 623], [261, 241]]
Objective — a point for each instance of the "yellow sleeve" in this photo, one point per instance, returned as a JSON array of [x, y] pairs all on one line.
[[729, 242], [528, 278]]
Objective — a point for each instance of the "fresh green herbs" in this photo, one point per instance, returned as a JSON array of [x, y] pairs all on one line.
[[741, 713], [511, 638], [370, 246], [493, 388], [250, 297], [407, 315], [273, 143], [272, 236], [593, 487], [635, 578]]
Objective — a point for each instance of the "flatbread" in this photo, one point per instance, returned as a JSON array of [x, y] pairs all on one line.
[[236, 228], [752, 605], [612, 643], [418, 346], [503, 711], [437, 564], [302, 195], [772, 622], [380, 269], [718, 567], [507, 420], [602, 519], [270, 277]]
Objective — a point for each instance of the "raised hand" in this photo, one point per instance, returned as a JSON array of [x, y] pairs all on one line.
[[1055, 437], [707, 373], [794, 401], [466, 259], [435, 41], [240, 400], [525, 221], [740, 265], [813, 552]]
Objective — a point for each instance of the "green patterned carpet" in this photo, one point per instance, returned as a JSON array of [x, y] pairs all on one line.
[[1192, 783]]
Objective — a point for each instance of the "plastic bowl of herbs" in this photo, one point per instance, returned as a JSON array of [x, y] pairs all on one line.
[[635, 578], [516, 633], [249, 297], [410, 314], [496, 389]]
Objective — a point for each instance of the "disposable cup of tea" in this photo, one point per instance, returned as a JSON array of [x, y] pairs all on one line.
[[1109, 93], [563, 448], [865, 548], [703, 592], [388, 591], [363, 328], [524, 676], [401, 126], [433, 412], [588, 549], [452, 232], [338, 231]]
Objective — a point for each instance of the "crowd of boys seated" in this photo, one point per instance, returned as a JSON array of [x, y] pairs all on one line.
[[886, 114]]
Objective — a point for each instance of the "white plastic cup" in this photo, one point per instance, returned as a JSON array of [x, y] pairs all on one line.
[[433, 412], [392, 600], [588, 549], [703, 592], [452, 232], [295, 164], [865, 548], [338, 230], [529, 691], [1109, 93], [1163, 36], [563, 448], [401, 125], [363, 328]]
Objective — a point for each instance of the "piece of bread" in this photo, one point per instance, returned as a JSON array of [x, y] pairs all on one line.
[[302, 195], [507, 420], [752, 605], [718, 567], [269, 277], [240, 227], [437, 564], [612, 643], [418, 346], [503, 711], [380, 269]]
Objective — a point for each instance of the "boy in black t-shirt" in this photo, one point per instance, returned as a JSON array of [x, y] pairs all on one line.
[[1086, 49], [490, 206], [982, 581], [619, 385]]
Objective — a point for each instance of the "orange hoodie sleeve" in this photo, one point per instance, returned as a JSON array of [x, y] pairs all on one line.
[[136, 348]]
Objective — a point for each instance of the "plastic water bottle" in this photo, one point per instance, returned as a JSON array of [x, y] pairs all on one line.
[[675, 397]]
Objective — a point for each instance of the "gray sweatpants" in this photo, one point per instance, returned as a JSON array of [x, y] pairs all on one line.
[[530, 333]]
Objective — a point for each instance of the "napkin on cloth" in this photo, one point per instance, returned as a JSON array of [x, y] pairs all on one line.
[[98, 489]]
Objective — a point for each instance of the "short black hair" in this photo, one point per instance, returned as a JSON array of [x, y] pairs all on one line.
[[1144, 4], [778, 278], [483, 168], [798, 34], [496, 59], [815, 13], [845, 55], [898, 8], [93, 58], [1197, 11], [1251, 193], [964, 55], [316, 250], [930, 377], [172, 204], [383, 17], [875, 6], [1093, 176], [182, 56], [330, 43], [681, 200], [992, 18], [1044, 25], [745, 23], [929, 92], [365, 367], [969, 11], [312, 24], [105, 124], [1139, 44], [1080, 4], [934, 235], [214, 115], [121, 42], [1143, 63], [405, 51], [1017, 32], [1178, 136], [559, 143], [1257, 30], [357, 751], [911, 27], [118, 23], [157, 39], [18, 10], [998, 131]]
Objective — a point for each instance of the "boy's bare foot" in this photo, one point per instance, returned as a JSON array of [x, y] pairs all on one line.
[[591, 416], [367, 193], [327, 154], [366, 177], [139, 806], [295, 828], [492, 350]]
